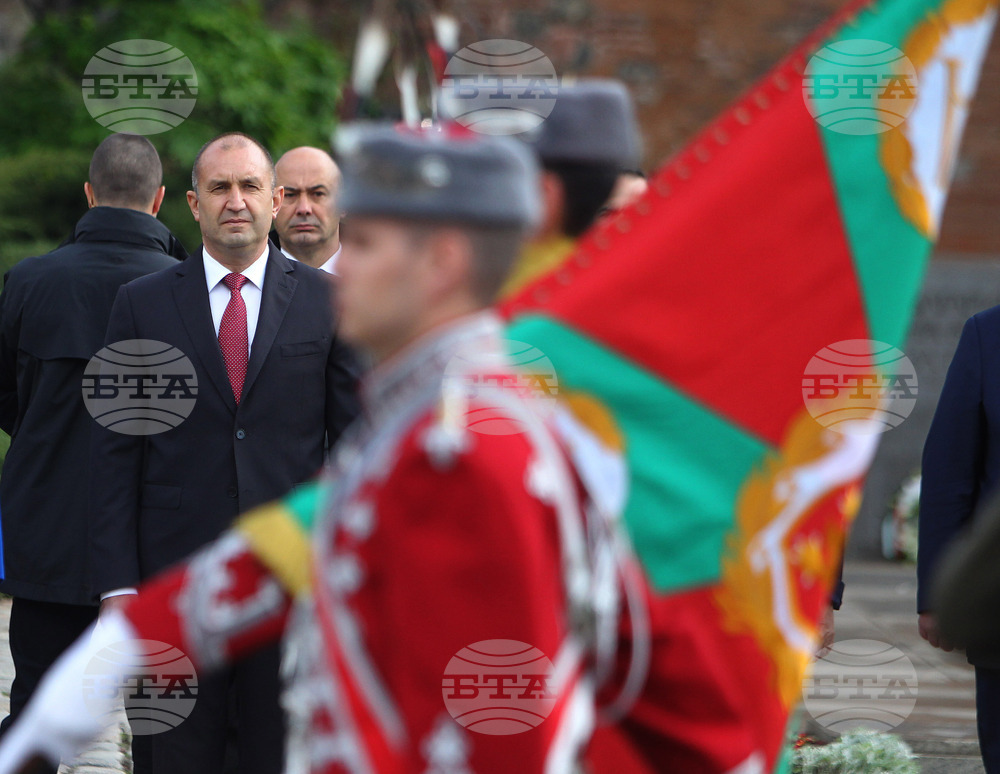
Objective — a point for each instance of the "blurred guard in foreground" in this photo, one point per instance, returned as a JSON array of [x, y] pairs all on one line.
[[451, 518]]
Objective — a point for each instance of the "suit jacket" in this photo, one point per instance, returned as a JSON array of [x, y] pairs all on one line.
[[53, 316], [156, 498], [961, 462], [966, 591]]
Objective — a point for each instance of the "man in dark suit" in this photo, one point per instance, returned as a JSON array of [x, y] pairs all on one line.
[[274, 384], [961, 469], [53, 315]]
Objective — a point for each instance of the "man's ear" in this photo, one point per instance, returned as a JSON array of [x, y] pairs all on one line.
[[157, 201], [277, 197], [192, 198], [554, 203], [450, 256], [88, 189]]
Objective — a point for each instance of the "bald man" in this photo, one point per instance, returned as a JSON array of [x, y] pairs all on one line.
[[256, 328], [308, 223]]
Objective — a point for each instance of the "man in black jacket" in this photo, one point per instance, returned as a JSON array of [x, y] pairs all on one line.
[[54, 312]]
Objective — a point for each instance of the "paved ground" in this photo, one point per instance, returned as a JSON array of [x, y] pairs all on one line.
[[878, 606], [941, 726], [109, 755]]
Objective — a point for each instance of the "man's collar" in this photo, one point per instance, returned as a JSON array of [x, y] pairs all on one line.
[[469, 340], [215, 271], [330, 267], [120, 224]]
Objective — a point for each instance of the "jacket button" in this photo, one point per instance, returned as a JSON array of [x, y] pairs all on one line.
[[232, 491], [241, 434]]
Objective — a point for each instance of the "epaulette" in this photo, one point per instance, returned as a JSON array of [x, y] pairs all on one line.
[[448, 436]]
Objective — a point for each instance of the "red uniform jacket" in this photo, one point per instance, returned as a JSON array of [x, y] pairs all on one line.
[[449, 575]]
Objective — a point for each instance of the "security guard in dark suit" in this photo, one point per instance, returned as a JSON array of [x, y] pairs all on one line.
[[54, 310]]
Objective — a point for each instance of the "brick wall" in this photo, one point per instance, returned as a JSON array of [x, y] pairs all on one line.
[[971, 224], [685, 60]]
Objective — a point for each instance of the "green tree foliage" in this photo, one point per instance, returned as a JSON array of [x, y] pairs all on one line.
[[279, 85]]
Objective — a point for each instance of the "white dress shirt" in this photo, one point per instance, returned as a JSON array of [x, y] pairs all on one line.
[[218, 298], [252, 290], [330, 267]]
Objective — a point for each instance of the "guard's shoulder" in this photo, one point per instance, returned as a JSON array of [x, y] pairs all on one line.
[[492, 428]]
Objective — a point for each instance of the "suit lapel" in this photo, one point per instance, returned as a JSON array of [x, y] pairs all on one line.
[[191, 297], [279, 286]]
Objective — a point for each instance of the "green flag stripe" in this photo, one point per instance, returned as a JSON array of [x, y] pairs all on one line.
[[890, 254], [686, 462], [304, 502]]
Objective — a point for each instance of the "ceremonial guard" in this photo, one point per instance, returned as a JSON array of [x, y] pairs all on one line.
[[441, 617]]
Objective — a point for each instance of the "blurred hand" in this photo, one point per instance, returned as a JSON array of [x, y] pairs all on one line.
[[61, 720], [928, 626], [825, 633]]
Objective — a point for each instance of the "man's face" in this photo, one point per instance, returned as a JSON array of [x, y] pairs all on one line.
[[308, 216], [234, 203], [382, 287]]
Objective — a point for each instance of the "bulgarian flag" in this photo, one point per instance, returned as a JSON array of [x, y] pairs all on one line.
[[685, 331]]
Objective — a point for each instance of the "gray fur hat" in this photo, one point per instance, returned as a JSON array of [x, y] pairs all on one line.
[[593, 120], [444, 175]]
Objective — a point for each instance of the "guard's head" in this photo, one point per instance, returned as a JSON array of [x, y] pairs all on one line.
[[433, 224], [125, 171], [588, 138]]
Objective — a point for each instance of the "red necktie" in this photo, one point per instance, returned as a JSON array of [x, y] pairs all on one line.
[[233, 334]]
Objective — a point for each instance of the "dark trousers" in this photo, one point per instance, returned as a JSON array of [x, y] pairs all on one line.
[[236, 725], [39, 633], [988, 717]]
